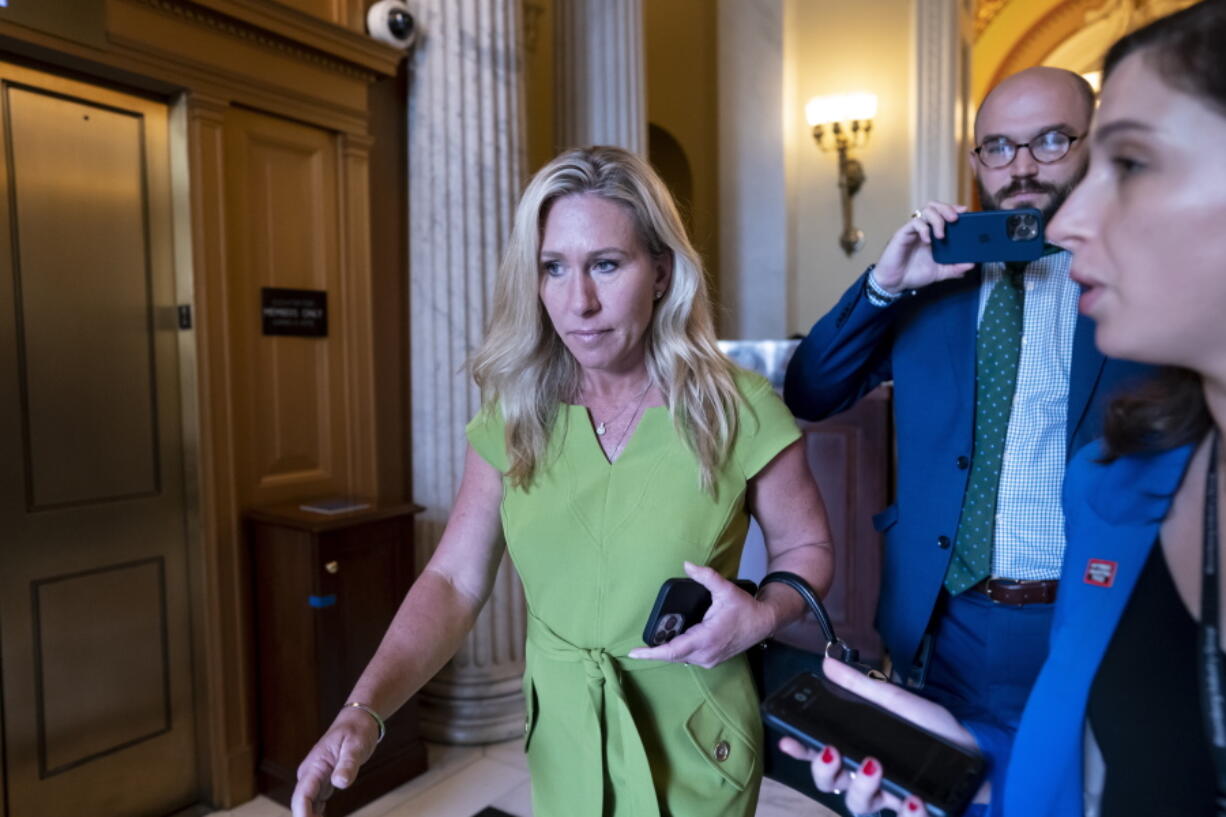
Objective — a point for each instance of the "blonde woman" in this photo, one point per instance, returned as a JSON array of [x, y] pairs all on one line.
[[616, 447]]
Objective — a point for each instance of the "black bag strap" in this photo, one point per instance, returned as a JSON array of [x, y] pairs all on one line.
[[835, 647]]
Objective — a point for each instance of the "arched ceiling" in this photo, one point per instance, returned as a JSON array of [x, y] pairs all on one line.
[[1010, 35]]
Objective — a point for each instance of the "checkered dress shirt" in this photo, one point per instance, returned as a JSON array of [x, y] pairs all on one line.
[[1029, 537]]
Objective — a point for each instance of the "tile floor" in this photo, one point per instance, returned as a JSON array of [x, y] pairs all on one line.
[[462, 780]]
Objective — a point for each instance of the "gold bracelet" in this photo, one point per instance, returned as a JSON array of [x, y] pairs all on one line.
[[373, 714]]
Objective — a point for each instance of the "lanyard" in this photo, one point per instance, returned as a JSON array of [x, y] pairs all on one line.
[[1209, 658]]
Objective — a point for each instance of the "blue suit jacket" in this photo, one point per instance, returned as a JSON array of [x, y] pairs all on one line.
[[1113, 513], [926, 345]]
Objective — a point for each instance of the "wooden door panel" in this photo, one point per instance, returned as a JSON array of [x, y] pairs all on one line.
[[291, 410]]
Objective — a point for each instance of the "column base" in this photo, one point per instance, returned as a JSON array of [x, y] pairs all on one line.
[[468, 714]]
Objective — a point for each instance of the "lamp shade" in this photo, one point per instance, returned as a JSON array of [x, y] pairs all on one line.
[[823, 110]]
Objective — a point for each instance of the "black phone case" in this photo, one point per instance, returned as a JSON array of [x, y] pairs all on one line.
[[983, 237], [686, 598], [775, 714]]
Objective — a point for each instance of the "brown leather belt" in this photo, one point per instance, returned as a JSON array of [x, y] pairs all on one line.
[[1018, 593]]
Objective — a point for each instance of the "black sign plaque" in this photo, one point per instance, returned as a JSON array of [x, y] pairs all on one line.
[[299, 312]]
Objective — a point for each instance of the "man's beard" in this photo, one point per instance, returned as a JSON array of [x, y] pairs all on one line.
[[1056, 193]]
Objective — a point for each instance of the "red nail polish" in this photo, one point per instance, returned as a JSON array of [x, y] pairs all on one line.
[[827, 755], [912, 805], [869, 767]]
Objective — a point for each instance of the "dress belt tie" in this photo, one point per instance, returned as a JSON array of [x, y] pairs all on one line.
[[603, 668]]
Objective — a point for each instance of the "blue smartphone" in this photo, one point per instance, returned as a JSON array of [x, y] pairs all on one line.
[[818, 712], [991, 235]]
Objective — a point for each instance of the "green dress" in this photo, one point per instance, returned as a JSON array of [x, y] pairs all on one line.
[[606, 735]]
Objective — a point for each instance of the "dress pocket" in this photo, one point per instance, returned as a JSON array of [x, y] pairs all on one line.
[[531, 710], [724, 747]]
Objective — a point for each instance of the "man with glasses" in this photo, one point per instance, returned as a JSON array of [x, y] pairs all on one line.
[[996, 384]]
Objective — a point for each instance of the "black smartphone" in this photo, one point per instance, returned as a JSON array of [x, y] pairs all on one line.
[[991, 235], [680, 604], [817, 712]]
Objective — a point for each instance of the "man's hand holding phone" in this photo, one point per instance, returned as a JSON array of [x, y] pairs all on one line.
[[864, 789], [906, 263]]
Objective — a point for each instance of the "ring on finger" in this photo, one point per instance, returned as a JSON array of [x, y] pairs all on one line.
[[917, 213]]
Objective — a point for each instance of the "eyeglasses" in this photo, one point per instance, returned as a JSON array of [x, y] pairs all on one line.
[[1049, 146]]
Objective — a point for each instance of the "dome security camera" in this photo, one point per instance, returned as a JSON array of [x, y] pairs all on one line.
[[389, 21]]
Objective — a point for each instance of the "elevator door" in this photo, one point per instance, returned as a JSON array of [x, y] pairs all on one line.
[[95, 648]]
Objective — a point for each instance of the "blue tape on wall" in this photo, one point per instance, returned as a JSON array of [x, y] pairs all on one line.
[[322, 601]]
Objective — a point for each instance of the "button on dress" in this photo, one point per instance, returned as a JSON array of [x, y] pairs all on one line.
[[607, 735]]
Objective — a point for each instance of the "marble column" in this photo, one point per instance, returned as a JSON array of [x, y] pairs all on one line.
[[466, 146], [600, 94], [941, 103]]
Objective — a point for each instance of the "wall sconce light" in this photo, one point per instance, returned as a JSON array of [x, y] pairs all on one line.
[[841, 123]]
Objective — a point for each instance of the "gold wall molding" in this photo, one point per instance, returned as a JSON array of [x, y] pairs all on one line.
[[1012, 35], [985, 12], [304, 39], [1048, 32], [1021, 34], [194, 47]]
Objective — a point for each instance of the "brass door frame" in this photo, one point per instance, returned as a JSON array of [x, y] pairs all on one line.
[[166, 243]]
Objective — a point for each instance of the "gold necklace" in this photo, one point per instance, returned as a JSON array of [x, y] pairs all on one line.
[[603, 426], [621, 441]]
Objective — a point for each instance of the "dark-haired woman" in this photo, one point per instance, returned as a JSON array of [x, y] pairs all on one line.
[[1128, 716]]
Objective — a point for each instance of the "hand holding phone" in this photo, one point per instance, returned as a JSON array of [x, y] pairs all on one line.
[[704, 620], [991, 235], [680, 604], [906, 262], [917, 762]]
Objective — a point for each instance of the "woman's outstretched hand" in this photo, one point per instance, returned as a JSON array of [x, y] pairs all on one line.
[[333, 762], [734, 623], [862, 787]]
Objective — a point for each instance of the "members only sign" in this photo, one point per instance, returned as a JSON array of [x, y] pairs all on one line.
[[301, 312]]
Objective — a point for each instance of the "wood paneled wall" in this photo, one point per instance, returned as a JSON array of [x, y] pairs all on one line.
[[296, 207], [389, 253], [291, 173]]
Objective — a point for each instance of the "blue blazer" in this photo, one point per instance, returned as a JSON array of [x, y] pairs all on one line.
[[926, 344], [1113, 513]]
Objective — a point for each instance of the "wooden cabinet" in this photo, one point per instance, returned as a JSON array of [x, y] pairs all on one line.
[[851, 456], [326, 587]]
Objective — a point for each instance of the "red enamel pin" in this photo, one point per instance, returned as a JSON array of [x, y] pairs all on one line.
[[1100, 572]]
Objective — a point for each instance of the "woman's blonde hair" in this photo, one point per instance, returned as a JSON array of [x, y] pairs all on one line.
[[524, 369]]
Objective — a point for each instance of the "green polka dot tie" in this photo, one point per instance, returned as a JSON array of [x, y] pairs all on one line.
[[996, 354]]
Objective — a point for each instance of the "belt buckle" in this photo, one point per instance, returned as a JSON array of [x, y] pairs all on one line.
[[1014, 585], [991, 585], [998, 583]]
